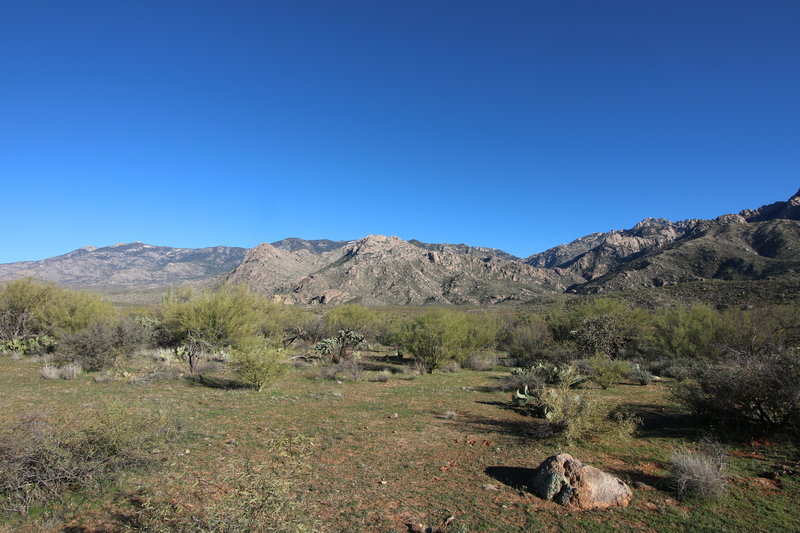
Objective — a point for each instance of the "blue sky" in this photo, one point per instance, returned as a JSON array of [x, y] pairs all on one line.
[[513, 124]]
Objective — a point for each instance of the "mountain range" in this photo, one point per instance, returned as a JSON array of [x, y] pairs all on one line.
[[758, 244]]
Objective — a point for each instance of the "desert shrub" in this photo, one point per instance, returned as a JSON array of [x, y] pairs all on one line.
[[213, 321], [480, 361], [30, 308], [441, 335], [338, 348], [609, 327], [580, 417], [689, 332], [244, 497], [258, 362], [353, 317], [607, 371], [542, 375], [451, 367], [41, 460], [747, 391], [50, 372], [639, 375], [103, 344], [526, 338], [699, 473]]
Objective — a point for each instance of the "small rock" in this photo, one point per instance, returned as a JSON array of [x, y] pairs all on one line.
[[383, 483], [642, 486], [489, 486], [393, 415]]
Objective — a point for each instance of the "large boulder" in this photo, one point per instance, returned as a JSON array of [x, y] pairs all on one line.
[[577, 486]]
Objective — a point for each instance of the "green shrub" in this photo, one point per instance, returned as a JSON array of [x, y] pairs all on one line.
[[213, 321], [33, 309], [259, 362], [580, 417], [606, 371], [526, 339], [442, 335]]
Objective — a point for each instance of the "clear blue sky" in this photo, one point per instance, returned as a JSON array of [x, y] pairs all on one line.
[[512, 124]]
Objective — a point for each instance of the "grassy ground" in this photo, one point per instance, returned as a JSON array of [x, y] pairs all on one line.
[[455, 449]]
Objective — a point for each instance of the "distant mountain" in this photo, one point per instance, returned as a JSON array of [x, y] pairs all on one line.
[[388, 270], [756, 245], [134, 265]]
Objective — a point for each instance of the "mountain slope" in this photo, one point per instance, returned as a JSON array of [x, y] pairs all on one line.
[[388, 270], [133, 265]]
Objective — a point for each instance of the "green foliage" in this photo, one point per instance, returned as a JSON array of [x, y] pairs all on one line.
[[442, 335], [30, 308], [607, 371], [692, 332], [526, 338], [580, 417], [349, 317], [30, 346], [214, 320], [544, 374], [259, 362]]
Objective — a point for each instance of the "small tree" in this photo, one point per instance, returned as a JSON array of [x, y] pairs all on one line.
[[258, 362], [440, 335], [213, 321]]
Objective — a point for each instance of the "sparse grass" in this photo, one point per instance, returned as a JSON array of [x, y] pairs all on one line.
[[434, 466]]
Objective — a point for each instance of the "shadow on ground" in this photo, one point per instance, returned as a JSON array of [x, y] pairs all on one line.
[[514, 476]]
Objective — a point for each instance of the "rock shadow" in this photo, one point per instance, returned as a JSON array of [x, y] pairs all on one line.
[[513, 476]]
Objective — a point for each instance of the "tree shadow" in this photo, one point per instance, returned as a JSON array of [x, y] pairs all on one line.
[[665, 421], [216, 382], [525, 429], [513, 476]]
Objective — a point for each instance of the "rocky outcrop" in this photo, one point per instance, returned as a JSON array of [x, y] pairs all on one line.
[[389, 270], [270, 270], [565, 480]]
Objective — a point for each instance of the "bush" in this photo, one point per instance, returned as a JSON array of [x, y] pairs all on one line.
[[480, 361], [747, 391], [526, 339], [213, 321], [30, 308], [442, 335], [580, 417], [258, 363], [103, 344], [609, 327], [607, 371], [50, 372], [639, 375], [699, 473], [40, 460]]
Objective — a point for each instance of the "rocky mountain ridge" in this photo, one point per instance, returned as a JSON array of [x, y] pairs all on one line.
[[757, 244]]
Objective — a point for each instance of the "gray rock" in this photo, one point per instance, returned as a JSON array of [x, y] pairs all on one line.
[[577, 486]]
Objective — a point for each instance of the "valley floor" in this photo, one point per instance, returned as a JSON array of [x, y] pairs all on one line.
[[455, 449]]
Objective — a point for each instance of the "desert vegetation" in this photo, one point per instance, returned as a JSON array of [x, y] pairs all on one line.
[[267, 417]]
